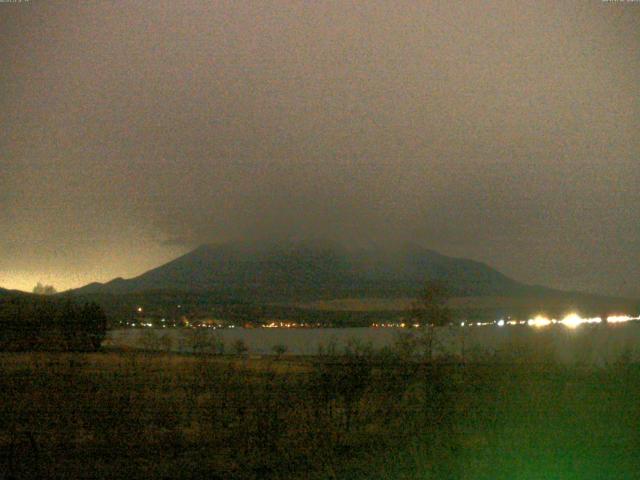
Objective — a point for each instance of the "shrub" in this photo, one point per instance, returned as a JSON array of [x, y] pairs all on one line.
[[279, 349], [240, 347]]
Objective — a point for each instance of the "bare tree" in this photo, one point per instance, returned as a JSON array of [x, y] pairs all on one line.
[[431, 310]]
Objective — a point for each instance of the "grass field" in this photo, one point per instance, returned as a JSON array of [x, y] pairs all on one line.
[[360, 415]]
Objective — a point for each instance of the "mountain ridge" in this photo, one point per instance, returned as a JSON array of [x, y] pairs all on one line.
[[314, 270]]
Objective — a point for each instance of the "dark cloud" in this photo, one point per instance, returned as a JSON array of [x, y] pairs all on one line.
[[503, 132]]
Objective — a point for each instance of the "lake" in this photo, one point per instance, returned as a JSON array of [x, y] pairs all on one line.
[[598, 345]]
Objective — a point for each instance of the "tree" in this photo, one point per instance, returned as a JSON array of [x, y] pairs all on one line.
[[430, 310], [279, 350], [218, 344], [198, 341], [239, 347], [95, 323], [166, 343], [41, 289]]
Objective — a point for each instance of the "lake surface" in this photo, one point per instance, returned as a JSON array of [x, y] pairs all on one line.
[[587, 344]]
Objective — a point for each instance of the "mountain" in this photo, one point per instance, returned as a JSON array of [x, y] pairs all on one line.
[[314, 282], [314, 270]]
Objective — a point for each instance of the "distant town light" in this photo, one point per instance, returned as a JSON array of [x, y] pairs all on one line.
[[573, 320], [538, 321]]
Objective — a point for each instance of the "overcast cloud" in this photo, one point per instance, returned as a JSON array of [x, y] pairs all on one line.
[[506, 132]]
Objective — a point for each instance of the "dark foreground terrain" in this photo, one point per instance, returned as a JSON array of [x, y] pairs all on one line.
[[134, 415]]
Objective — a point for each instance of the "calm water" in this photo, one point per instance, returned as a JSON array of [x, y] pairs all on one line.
[[588, 344]]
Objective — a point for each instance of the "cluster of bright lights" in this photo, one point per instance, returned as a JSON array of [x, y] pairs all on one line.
[[621, 318], [572, 320], [186, 324], [539, 321], [514, 322], [395, 325], [214, 327], [142, 324], [283, 325]]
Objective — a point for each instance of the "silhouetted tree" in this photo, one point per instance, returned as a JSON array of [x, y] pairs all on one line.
[[279, 350], [239, 347], [218, 345], [199, 341], [95, 323], [430, 310], [41, 289]]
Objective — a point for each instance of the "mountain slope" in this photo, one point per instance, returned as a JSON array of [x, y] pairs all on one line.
[[313, 270], [4, 293]]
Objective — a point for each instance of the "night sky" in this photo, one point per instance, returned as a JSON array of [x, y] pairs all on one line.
[[506, 132]]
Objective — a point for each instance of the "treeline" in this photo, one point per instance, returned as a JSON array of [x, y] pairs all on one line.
[[29, 322]]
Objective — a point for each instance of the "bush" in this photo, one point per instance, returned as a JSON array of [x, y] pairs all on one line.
[[240, 347], [279, 350]]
